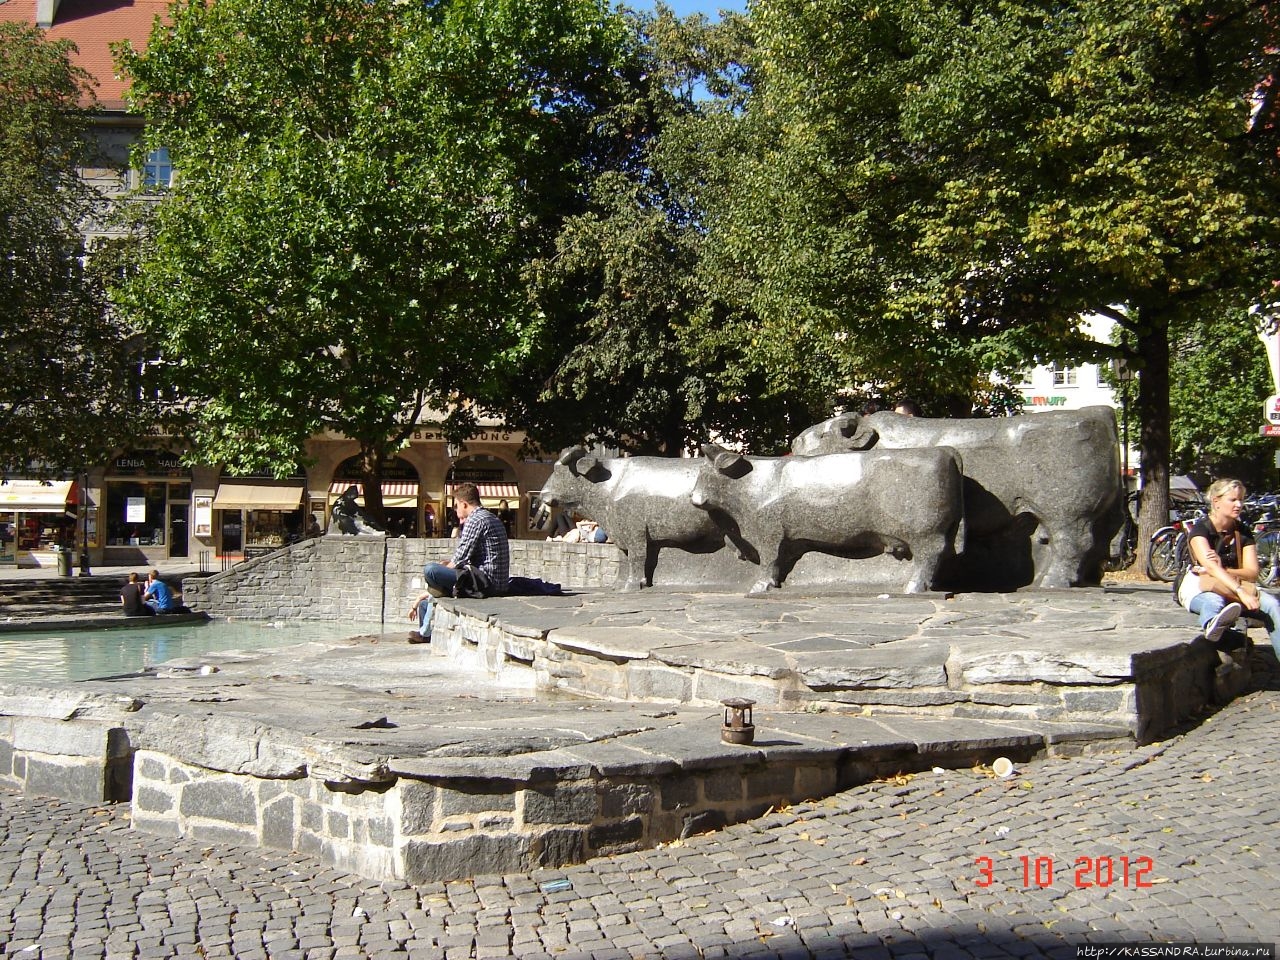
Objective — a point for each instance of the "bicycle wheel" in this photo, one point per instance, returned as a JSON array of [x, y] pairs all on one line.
[[1162, 556], [1269, 559]]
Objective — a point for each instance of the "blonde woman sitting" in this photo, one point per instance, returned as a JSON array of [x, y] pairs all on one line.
[[1222, 584]]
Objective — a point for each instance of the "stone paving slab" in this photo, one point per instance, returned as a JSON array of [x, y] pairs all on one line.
[[326, 692], [1063, 656]]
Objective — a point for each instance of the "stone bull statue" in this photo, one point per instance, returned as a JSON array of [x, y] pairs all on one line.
[[1042, 492], [858, 505], [643, 503]]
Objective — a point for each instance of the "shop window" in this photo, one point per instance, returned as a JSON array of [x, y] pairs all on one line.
[[272, 528], [137, 511]]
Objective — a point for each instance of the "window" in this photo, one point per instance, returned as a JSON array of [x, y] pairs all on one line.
[[158, 170], [1064, 376], [1022, 378]]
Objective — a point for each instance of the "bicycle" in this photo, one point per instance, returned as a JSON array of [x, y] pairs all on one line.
[[1124, 546], [1170, 548], [1169, 551]]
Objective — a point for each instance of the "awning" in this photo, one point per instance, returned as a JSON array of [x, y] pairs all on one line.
[[395, 493], [237, 495], [34, 496], [493, 491]]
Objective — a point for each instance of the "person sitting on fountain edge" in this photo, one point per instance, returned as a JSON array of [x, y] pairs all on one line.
[[482, 545], [131, 598], [1221, 584], [158, 596]]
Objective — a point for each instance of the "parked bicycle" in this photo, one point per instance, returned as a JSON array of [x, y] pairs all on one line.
[[1170, 547], [1266, 533], [1124, 546]]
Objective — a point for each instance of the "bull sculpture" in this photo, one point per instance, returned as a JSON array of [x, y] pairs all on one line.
[[643, 503], [1041, 491], [776, 509]]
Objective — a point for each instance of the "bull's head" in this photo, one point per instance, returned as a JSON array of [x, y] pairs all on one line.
[[726, 462], [580, 463]]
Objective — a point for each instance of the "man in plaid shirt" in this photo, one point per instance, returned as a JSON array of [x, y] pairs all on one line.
[[482, 544]]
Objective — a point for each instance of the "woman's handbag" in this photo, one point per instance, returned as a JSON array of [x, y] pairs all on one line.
[[1186, 584]]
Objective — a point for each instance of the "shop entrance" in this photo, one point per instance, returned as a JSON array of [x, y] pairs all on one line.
[[179, 513], [232, 532]]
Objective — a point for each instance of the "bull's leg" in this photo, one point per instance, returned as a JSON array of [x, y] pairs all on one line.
[[1068, 544], [927, 555], [637, 564], [774, 569]]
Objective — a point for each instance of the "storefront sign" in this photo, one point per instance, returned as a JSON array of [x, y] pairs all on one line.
[[148, 463], [1271, 409], [489, 436], [1052, 401], [1269, 430], [475, 475]]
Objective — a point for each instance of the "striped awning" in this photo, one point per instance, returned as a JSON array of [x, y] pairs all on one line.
[[36, 496], [242, 495], [395, 493], [491, 491]]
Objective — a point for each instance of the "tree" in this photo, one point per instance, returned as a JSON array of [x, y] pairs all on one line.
[[628, 357], [1218, 381], [942, 190], [65, 395], [358, 187]]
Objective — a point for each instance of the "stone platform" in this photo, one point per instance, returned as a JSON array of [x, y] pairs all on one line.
[[380, 758]]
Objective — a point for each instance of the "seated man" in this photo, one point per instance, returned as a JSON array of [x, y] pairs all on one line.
[[158, 595], [482, 544], [131, 599]]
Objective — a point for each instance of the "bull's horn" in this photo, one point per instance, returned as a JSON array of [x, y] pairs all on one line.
[[586, 464], [570, 454]]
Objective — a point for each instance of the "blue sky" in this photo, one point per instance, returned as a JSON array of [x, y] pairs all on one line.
[[685, 7]]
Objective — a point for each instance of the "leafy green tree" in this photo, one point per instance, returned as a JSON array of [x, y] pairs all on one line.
[[1218, 381], [941, 190], [629, 356], [65, 390], [359, 183]]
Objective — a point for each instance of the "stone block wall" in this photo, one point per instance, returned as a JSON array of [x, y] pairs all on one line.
[[372, 579], [429, 828], [60, 744]]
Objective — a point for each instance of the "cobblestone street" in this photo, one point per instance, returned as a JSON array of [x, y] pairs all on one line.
[[893, 869]]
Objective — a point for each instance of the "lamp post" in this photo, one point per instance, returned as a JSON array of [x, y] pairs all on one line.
[[84, 526]]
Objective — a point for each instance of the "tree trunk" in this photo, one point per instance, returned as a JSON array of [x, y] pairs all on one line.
[[1153, 415], [371, 477]]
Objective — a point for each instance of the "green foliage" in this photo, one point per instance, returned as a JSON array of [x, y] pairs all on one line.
[[1218, 384], [65, 392], [635, 353], [941, 190], [358, 186]]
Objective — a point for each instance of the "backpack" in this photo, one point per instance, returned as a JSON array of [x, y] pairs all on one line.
[[473, 584]]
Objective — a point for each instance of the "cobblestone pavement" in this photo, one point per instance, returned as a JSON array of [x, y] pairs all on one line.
[[890, 870]]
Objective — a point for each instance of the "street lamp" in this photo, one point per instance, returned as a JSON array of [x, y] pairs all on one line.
[[84, 526]]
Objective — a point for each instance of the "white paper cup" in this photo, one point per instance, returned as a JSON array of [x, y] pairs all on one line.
[[1002, 767]]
